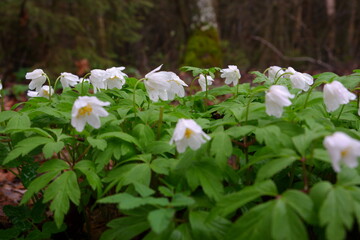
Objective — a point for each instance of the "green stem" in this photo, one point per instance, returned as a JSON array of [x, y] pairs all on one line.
[[49, 82], [305, 177], [206, 87], [82, 83], [341, 110], [247, 108], [278, 78], [161, 114], [134, 94], [310, 90], [56, 81]]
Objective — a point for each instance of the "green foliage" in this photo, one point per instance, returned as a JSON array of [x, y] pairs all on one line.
[[257, 177]]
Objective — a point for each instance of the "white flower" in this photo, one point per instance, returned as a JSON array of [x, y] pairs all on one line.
[[274, 73], [87, 110], [45, 91], [97, 79], [342, 148], [68, 79], [276, 98], [176, 87], [163, 85], [188, 133], [299, 80], [37, 77], [203, 83], [85, 80], [231, 75], [115, 78], [336, 94]]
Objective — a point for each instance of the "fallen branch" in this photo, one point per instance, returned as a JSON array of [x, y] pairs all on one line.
[[299, 59]]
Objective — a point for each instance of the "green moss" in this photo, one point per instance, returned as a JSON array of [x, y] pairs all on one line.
[[203, 49]]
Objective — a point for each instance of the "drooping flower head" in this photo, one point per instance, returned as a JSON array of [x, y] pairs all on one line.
[[45, 91], [87, 110], [342, 149], [68, 79], [188, 133], [276, 98], [336, 94], [299, 80], [202, 81], [163, 85], [274, 73], [97, 79], [231, 75], [176, 87], [115, 78], [37, 77]]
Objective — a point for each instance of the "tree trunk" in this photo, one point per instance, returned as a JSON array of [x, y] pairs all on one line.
[[330, 11]]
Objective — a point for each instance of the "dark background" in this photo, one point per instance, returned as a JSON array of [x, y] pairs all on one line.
[[78, 35]]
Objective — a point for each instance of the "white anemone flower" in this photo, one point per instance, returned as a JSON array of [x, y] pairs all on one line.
[[231, 75], [37, 77], [342, 149], [299, 80], [97, 79], [336, 94], [87, 110], [157, 84], [1, 87], [276, 98], [176, 87], [115, 78], [188, 133], [202, 81], [68, 79], [274, 73], [45, 91]]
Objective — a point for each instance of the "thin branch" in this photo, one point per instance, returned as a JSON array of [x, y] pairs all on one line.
[[287, 58]]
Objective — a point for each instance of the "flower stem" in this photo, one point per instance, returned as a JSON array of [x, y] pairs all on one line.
[[247, 108], [56, 81], [278, 78], [341, 110], [49, 82], [82, 83], [305, 177], [160, 122], [134, 94]]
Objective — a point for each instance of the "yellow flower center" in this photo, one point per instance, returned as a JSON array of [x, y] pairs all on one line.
[[345, 152], [114, 78], [85, 111], [188, 133], [46, 93]]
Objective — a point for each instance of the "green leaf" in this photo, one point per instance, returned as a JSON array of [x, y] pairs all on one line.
[[6, 115], [18, 121], [180, 199], [286, 223], [97, 143], [233, 201], [143, 190], [269, 135], [160, 219], [125, 228], [240, 131], [120, 135], [25, 146], [221, 148], [52, 147], [300, 202], [204, 228], [274, 166], [60, 192], [254, 224], [207, 176], [127, 201], [88, 169]]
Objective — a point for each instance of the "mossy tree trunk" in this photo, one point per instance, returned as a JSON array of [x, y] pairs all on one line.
[[203, 46]]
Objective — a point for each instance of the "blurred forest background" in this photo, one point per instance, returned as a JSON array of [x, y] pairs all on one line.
[[79, 35]]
